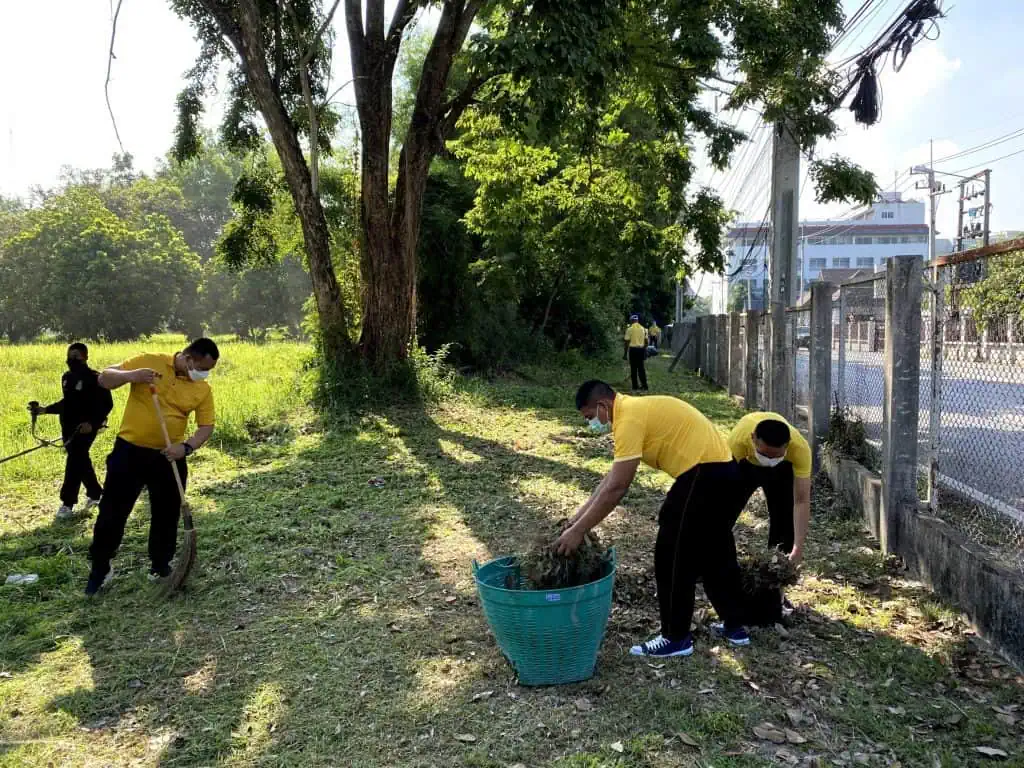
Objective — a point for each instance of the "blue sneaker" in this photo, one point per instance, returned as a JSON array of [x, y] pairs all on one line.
[[663, 647], [736, 637]]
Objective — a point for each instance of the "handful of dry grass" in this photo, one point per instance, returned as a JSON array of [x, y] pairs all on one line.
[[766, 570], [543, 568]]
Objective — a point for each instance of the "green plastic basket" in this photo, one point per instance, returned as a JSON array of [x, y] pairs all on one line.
[[550, 637]]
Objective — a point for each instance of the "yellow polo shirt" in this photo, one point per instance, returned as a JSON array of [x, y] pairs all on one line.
[[636, 335], [655, 331], [178, 396], [665, 433], [741, 444]]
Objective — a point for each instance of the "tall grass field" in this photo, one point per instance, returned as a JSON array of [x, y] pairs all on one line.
[[255, 387]]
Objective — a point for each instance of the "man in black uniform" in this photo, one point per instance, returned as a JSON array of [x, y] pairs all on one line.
[[82, 410]]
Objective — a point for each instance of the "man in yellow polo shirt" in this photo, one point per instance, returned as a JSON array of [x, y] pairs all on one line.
[[654, 332], [774, 456], [695, 522], [636, 343], [140, 458]]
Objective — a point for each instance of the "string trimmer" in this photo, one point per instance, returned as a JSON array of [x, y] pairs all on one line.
[[43, 442], [188, 549]]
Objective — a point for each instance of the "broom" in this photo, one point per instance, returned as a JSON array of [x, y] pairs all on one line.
[[187, 557]]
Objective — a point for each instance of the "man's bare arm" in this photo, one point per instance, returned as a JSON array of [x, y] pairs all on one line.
[[114, 377], [801, 515]]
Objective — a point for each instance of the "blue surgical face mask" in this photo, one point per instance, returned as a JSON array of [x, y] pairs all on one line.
[[597, 426]]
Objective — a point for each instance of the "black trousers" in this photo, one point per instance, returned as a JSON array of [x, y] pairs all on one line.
[[637, 372], [129, 470], [78, 470], [777, 484], [695, 541]]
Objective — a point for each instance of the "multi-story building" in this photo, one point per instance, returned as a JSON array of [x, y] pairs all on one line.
[[890, 227]]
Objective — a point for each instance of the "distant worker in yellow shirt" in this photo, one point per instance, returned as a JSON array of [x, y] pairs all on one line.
[[774, 456], [636, 345], [695, 522], [654, 332], [140, 458]]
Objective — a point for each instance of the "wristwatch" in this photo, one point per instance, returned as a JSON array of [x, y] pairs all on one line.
[[189, 450]]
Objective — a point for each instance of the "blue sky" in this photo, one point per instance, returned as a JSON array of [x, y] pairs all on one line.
[[960, 90]]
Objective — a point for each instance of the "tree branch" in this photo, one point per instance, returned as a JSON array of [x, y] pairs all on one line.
[[278, 45], [110, 64], [375, 21], [311, 50], [453, 110], [404, 13]]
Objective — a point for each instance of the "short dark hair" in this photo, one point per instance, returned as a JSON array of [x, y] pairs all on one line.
[[772, 432], [203, 347], [590, 391], [79, 347]]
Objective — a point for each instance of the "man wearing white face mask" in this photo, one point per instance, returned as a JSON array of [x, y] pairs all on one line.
[[140, 458], [774, 456]]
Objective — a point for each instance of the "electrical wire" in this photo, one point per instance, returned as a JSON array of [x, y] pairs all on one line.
[[983, 146]]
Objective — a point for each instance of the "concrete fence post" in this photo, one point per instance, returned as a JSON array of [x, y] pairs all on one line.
[[700, 351], [820, 375], [722, 330], [751, 372], [901, 403], [711, 328], [735, 354]]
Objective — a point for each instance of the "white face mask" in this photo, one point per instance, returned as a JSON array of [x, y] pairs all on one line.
[[768, 461], [198, 375], [597, 426]]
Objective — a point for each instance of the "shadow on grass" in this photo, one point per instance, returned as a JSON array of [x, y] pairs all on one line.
[[324, 626]]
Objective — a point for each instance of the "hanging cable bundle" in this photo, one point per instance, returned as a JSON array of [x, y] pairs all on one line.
[[915, 23], [867, 104]]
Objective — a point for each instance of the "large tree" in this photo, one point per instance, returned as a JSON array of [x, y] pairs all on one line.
[[528, 61]]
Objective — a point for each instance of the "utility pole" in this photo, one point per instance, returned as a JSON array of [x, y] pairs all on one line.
[[974, 230], [785, 223]]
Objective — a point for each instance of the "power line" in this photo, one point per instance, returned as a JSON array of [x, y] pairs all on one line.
[[990, 162], [984, 145]]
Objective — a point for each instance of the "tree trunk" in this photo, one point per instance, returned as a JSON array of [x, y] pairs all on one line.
[[391, 228], [326, 292]]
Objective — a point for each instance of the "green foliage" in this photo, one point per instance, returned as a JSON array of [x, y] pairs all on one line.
[[187, 140], [839, 180], [341, 389], [738, 297], [847, 438], [1000, 294], [579, 132], [255, 300], [81, 271], [111, 232]]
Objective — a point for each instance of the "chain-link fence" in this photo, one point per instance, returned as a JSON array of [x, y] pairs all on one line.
[[977, 460], [858, 333]]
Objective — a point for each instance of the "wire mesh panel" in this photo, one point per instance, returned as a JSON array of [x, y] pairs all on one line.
[[980, 467], [859, 380], [800, 322]]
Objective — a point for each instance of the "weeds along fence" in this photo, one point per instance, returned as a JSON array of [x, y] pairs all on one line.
[[929, 360]]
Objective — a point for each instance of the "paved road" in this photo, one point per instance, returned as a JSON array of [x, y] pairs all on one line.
[[982, 418]]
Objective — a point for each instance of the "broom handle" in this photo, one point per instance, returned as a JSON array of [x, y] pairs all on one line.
[[167, 440]]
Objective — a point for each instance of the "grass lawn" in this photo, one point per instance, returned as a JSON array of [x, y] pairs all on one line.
[[333, 620]]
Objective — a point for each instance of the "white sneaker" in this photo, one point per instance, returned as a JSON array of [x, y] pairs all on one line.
[[91, 504], [64, 513]]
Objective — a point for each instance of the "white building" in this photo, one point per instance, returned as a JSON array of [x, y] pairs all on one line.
[[891, 227]]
